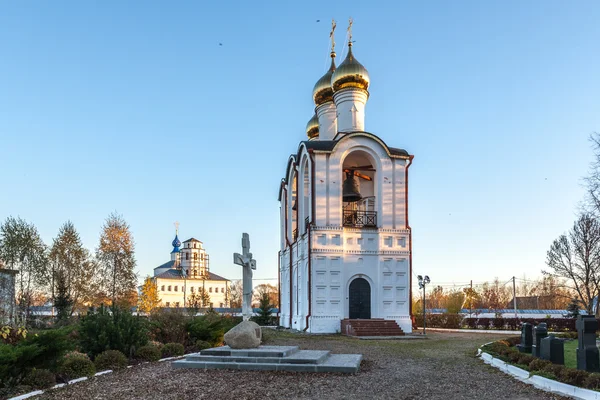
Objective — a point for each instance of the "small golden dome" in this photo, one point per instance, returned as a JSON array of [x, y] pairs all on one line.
[[322, 92], [312, 128], [350, 73]]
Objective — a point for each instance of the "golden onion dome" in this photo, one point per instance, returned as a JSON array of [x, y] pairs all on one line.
[[312, 127], [350, 73], [322, 92]]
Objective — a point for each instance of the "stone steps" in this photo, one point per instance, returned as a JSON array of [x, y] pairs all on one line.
[[272, 358], [371, 327]]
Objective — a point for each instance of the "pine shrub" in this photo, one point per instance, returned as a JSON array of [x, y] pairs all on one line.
[[592, 381], [525, 359], [172, 350], [76, 365], [113, 329], [168, 326], [202, 345], [40, 379], [209, 328], [572, 376], [110, 359], [537, 364], [149, 353]]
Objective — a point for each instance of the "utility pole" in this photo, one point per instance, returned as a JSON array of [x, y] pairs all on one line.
[[471, 298], [515, 297]]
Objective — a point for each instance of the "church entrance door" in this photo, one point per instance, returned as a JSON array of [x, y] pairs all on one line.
[[360, 299]]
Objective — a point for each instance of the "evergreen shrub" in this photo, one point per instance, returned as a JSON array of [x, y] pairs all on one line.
[[76, 365], [110, 359], [172, 350], [40, 379], [149, 353], [114, 329]]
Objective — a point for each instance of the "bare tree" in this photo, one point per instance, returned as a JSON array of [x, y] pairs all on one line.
[[269, 290], [592, 181], [576, 257], [235, 293]]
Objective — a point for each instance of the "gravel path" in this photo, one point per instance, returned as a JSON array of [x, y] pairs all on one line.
[[441, 367]]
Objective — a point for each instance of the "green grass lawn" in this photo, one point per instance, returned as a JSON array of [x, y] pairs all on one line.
[[571, 354]]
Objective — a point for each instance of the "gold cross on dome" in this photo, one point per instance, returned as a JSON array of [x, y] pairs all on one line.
[[331, 35], [350, 21], [176, 223]]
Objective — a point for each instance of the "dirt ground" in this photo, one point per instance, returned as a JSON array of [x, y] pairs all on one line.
[[443, 366]]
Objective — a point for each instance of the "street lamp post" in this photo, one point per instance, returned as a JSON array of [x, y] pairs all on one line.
[[422, 283]]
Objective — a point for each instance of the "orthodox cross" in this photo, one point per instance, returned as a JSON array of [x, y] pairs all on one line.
[[350, 30], [331, 35], [176, 223], [353, 111], [248, 264]]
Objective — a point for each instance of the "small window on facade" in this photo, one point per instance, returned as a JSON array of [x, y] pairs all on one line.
[[169, 288], [210, 289], [195, 256], [168, 304], [221, 305], [192, 289], [162, 288], [187, 256], [177, 304], [222, 290], [175, 288]]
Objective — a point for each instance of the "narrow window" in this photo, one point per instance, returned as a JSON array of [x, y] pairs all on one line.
[[175, 288], [222, 290], [177, 304], [162, 288], [168, 304], [210, 289], [187, 256], [169, 288]]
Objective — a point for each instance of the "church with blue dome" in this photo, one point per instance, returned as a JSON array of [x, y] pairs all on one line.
[[187, 274]]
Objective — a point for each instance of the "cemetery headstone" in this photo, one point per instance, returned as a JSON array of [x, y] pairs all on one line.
[[526, 338], [553, 349], [588, 358], [539, 332]]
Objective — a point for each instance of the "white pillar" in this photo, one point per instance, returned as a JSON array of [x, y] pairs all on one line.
[[327, 121], [350, 103]]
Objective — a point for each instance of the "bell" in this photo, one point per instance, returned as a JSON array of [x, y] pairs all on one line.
[[350, 192]]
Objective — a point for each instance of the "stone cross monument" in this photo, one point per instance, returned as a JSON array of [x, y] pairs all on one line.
[[248, 264]]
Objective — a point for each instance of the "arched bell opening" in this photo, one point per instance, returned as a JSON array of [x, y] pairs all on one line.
[[358, 190]]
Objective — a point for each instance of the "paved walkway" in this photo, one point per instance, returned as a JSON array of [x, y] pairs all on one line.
[[442, 367]]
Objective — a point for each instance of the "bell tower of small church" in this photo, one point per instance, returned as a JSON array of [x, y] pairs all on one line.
[[345, 249]]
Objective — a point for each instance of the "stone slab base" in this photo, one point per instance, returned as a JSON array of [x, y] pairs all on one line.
[[272, 358]]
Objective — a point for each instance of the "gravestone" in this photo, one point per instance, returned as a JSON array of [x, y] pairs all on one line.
[[526, 338], [553, 350], [588, 358], [539, 332]]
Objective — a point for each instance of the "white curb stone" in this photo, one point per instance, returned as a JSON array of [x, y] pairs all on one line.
[[27, 395], [540, 382]]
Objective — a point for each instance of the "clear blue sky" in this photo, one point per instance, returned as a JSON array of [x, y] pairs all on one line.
[[135, 107]]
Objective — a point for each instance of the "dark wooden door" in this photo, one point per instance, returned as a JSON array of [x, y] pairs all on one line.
[[360, 299]]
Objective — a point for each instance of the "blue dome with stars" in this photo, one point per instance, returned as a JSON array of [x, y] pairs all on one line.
[[176, 243]]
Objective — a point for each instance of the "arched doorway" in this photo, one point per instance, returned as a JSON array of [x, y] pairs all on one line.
[[360, 299]]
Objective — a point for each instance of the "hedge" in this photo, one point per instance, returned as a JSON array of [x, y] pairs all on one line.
[[456, 321]]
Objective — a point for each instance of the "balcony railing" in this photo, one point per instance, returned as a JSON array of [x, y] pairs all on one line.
[[360, 218]]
